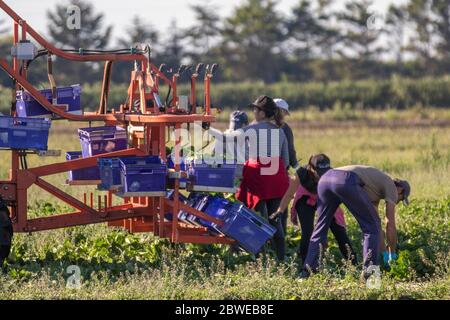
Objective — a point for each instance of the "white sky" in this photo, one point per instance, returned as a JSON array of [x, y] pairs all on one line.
[[160, 13]]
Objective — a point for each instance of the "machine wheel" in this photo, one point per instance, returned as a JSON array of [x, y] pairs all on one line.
[[6, 233]]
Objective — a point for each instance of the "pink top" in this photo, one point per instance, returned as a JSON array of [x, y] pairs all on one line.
[[312, 200]]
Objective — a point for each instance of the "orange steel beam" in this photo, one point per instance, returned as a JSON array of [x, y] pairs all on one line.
[[80, 218], [80, 163], [207, 93], [67, 198], [175, 207], [61, 53], [164, 118], [159, 147], [105, 87]]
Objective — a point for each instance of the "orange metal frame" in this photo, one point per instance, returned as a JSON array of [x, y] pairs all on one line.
[[137, 214]]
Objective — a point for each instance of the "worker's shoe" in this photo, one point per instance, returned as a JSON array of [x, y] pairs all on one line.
[[304, 274]]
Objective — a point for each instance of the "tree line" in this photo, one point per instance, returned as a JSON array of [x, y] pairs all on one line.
[[315, 41]]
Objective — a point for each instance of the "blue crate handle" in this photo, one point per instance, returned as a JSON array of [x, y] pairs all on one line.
[[256, 221], [148, 171], [109, 136]]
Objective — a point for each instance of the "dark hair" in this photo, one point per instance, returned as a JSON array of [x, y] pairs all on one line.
[[278, 117], [275, 115]]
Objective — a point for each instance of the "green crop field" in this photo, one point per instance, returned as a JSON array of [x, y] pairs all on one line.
[[117, 265]]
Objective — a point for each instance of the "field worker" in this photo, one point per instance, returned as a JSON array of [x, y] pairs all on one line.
[[360, 188], [304, 185], [238, 120], [283, 108], [227, 141], [265, 178]]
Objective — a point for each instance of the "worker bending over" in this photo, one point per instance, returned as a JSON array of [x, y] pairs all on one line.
[[304, 185], [360, 188]]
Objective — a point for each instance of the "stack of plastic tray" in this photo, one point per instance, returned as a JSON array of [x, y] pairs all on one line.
[[142, 176], [195, 200], [100, 140], [207, 177], [91, 173], [246, 227], [24, 133], [215, 207], [27, 106]]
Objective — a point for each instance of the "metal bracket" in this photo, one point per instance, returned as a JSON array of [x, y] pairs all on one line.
[[48, 153]]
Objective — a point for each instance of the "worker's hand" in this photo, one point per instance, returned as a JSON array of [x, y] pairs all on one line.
[[205, 125], [275, 216], [388, 257]]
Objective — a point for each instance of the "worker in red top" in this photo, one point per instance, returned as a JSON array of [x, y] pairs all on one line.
[[264, 177]]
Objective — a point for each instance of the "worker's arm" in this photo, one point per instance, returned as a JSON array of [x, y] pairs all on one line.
[[391, 229], [294, 183]]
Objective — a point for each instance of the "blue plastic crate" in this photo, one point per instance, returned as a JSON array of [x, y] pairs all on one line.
[[195, 200], [99, 140], [207, 177], [24, 133], [247, 228], [27, 106], [91, 173], [143, 176], [109, 169], [215, 207]]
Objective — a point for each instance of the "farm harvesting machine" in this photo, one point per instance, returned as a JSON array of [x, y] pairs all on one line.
[[143, 109]]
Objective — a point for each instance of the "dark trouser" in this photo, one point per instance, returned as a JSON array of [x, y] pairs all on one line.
[[336, 187], [266, 208], [6, 233], [284, 217], [4, 253], [306, 215]]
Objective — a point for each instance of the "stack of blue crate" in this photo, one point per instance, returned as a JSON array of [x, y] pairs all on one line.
[[91, 173], [142, 176], [208, 176], [27, 106], [100, 140], [24, 133], [240, 223]]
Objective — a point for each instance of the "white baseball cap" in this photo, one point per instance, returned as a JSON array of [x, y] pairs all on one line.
[[282, 104]]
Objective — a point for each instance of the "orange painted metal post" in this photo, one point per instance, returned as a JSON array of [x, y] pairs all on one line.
[[207, 93], [24, 38], [162, 151], [176, 209], [15, 41]]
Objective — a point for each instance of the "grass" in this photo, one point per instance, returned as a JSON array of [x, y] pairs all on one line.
[[117, 265]]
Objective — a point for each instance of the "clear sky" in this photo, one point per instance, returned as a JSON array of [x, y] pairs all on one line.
[[158, 12]]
